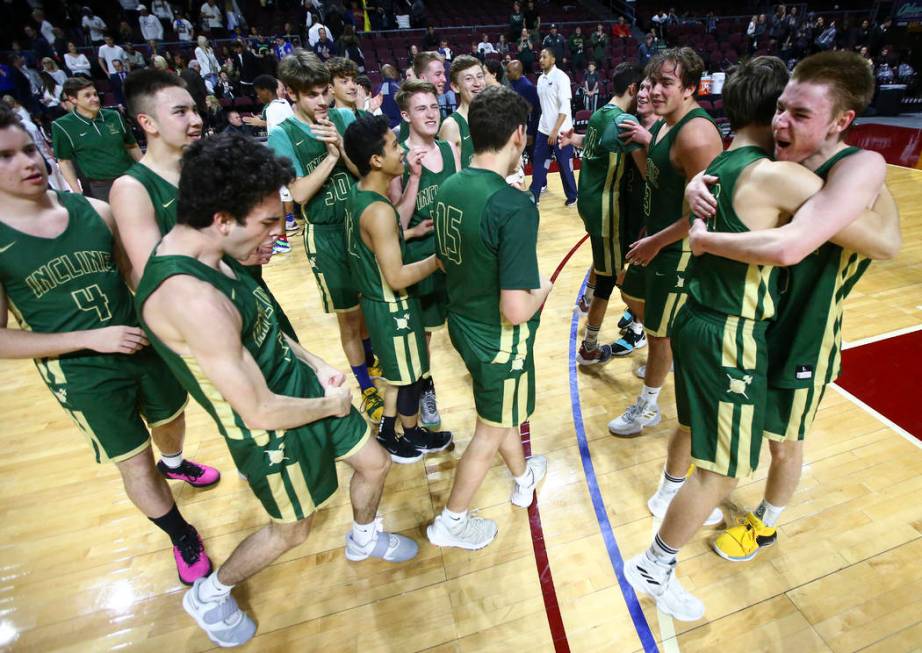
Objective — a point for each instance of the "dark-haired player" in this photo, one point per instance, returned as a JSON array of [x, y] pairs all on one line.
[[486, 238], [59, 278], [312, 140], [819, 104], [285, 414], [342, 83], [467, 81], [383, 275]]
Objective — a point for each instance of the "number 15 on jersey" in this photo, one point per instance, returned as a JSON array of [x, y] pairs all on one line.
[[448, 232]]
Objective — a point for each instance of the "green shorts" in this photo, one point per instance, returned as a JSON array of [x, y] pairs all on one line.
[[399, 339], [664, 291], [432, 292], [606, 255], [503, 377], [107, 395], [789, 412], [326, 252], [295, 472], [633, 286], [721, 366]]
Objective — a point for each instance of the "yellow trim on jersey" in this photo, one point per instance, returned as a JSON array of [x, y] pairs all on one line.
[[280, 496], [161, 422], [358, 445], [509, 386], [506, 336], [522, 391], [129, 454], [848, 267], [18, 315]]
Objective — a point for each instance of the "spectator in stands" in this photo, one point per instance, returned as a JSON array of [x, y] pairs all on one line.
[[109, 52], [658, 21], [879, 35], [364, 99], [247, 66], [159, 62], [235, 124], [777, 26], [37, 44], [207, 61], [388, 92], [324, 47], [117, 82], [621, 30], [519, 83], [516, 21], [485, 46], [474, 52], [555, 42], [183, 29], [863, 34], [348, 46], [163, 10], [402, 14], [151, 29], [125, 32], [430, 39], [409, 73], [412, 51], [133, 59], [93, 26], [191, 74], [502, 46], [29, 83], [44, 28], [226, 88], [792, 20], [577, 45], [177, 63], [555, 95], [710, 23], [235, 17], [526, 52], [212, 18], [827, 38], [51, 96], [590, 88], [647, 49], [76, 62], [599, 42], [313, 33], [532, 20], [51, 68], [282, 48], [445, 51], [214, 117], [417, 14]]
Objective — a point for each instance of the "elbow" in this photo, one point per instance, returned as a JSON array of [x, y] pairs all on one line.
[[786, 255], [888, 250], [260, 418], [515, 315]]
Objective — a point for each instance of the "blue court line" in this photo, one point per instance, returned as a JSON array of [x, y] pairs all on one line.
[[608, 535]]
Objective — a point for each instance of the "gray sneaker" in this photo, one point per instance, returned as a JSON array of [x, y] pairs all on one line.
[[222, 619], [428, 410], [390, 547]]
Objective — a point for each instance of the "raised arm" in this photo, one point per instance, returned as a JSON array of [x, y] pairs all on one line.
[[379, 230]]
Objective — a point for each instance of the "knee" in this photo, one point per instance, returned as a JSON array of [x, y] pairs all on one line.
[[603, 287], [350, 324], [784, 452], [376, 465], [290, 535]]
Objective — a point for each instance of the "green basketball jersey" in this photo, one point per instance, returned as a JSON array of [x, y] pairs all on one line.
[[365, 270], [327, 206], [486, 237], [601, 171], [68, 283], [162, 195], [720, 284], [260, 333], [805, 340], [632, 194], [429, 182], [664, 196], [467, 145]]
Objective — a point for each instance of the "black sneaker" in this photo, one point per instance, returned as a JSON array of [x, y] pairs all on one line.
[[626, 319], [400, 449], [428, 441], [628, 343]]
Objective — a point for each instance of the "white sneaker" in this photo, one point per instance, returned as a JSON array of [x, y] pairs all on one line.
[[390, 547], [635, 418], [658, 504], [222, 619], [660, 582], [291, 225], [640, 371], [522, 495], [470, 533], [428, 410]]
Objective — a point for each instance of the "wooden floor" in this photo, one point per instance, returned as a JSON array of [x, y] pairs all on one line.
[[83, 571]]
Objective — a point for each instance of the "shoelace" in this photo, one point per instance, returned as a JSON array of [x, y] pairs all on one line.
[[429, 401], [632, 412], [189, 469], [190, 548]]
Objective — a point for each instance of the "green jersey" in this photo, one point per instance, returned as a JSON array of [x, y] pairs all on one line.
[[664, 196], [805, 341], [97, 146], [602, 167], [67, 283], [260, 333], [720, 284], [365, 270], [293, 139], [486, 236], [467, 145], [162, 195], [632, 194]]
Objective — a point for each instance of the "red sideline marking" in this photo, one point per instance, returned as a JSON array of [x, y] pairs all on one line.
[[551, 606]]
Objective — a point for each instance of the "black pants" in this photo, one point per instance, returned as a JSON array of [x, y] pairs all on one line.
[[98, 188]]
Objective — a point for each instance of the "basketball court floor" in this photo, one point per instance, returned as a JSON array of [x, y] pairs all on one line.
[[82, 570]]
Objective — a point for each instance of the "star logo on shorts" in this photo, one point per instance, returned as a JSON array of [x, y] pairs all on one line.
[[277, 456], [403, 321], [739, 386]]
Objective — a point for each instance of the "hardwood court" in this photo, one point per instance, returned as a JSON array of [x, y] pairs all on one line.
[[83, 571]]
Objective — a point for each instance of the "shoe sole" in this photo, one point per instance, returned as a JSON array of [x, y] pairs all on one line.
[[627, 434], [453, 545], [190, 483], [405, 461], [437, 450], [752, 555], [201, 624], [586, 362], [207, 573], [641, 588]]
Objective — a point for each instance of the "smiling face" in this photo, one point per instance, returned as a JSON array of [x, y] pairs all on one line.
[[644, 107], [470, 83], [435, 74], [87, 100], [423, 114], [344, 91], [804, 120], [173, 116], [313, 103], [390, 161], [667, 93], [22, 169]]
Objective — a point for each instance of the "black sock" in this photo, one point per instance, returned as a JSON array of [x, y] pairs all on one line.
[[388, 427], [173, 524]]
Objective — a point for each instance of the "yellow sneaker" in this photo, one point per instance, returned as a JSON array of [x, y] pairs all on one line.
[[743, 541], [375, 370], [372, 404]]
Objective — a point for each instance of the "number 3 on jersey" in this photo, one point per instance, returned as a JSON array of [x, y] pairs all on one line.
[[92, 298], [448, 232]]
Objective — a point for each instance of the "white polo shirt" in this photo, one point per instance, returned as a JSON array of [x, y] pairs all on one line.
[[554, 95], [277, 112]]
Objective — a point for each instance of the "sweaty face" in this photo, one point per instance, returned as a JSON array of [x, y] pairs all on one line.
[[314, 103], [470, 83], [667, 93], [175, 117], [435, 74], [344, 90], [22, 169], [803, 121], [423, 114], [262, 227]]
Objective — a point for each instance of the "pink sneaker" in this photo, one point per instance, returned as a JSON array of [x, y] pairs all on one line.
[[191, 561], [195, 474]]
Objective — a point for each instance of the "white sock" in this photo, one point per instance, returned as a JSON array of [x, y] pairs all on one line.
[[590, 293], [363, 534], [211, 588], [661, 552], [768, 513], [670, 485], [525, 479], [650, 395], [454, 517], [172, 460]]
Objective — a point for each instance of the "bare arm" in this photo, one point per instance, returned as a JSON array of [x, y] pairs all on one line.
[[136, 221], [449, 132], [404, 197], [518, 306], [328, 376], [876, 234], [122, 262], [640, 160], [379, 230], [303, 189], [70, 174]]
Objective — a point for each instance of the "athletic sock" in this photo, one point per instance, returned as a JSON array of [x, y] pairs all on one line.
[[592, 337], [211, 588], [388, 428], [363, 534], [669, 485], [768, 513], [661, 553], [361, 375], [650, 395], [369, 354], [525, 479], [173, 524], [454, 518], [172, 460]]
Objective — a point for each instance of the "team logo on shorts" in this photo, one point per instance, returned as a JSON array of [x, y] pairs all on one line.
[[739, 386], [518, 364], [403, 321], [277, 456]]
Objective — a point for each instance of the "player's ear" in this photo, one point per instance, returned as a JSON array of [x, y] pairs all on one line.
[[224, 221]]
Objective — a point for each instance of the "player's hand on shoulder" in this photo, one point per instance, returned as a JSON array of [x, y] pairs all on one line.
[[116, 340], [634, 132], [699, 197]]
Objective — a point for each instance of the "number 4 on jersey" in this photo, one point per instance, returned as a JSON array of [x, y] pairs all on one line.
[[92, 298]]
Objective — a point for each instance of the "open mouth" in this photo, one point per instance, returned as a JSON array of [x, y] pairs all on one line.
[[33, 178], [782, 144]]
